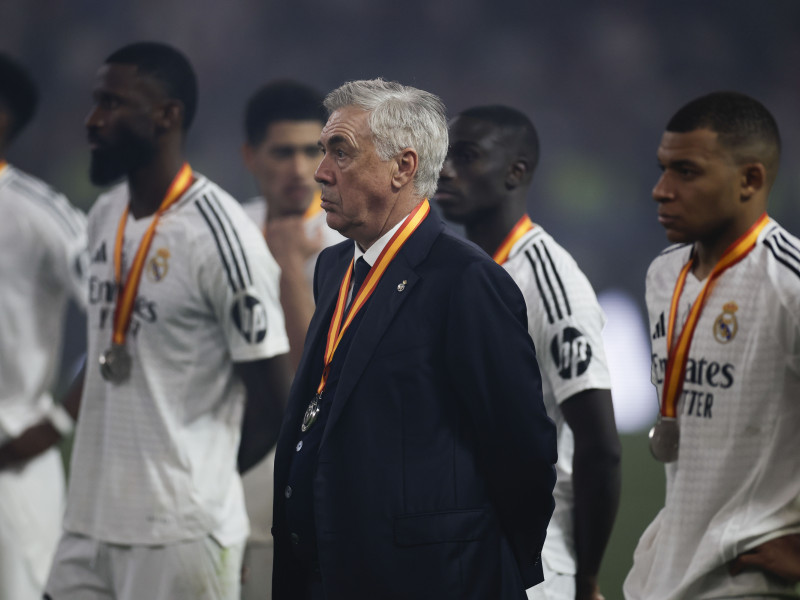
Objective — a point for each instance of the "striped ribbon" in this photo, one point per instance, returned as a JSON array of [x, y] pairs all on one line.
[[127, 293], [678, 353], [523, 226], [336, 329]]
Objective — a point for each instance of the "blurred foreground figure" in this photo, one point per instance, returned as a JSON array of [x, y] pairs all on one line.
[[483, 185], [724, 305], [184, 326], [416, 457], [283, 120], [42, 265]]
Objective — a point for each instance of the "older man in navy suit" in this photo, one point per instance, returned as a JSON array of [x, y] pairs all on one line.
[[416, 458]]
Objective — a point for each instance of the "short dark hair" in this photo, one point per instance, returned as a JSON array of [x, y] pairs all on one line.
[[742, 124], [514, 121], [166, 65], [18, 94], [283, 100]]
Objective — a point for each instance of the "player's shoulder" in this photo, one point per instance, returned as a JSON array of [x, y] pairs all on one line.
[[217, 214], [672, 258], [538, 247], [43, 203], [781, 253]]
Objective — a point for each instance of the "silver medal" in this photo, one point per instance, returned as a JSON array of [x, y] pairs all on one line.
[[115, 364], [312, 412], [664, 438]]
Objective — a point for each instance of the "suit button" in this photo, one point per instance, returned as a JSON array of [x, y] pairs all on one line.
[[295, 540], [288, 491], [299, 445]]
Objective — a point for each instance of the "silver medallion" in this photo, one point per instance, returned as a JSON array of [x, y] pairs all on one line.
[[115, 364], [664, 438], [312, 412]]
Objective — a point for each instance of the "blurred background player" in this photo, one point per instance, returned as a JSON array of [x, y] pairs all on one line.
[[724, 306], [184, 325], [483, 185], [283, 121], [42, 265]]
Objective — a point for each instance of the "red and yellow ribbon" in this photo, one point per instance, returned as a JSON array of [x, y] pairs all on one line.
[[2, 165], [678, 353], [127, 293], [336, 329], [523, 226]]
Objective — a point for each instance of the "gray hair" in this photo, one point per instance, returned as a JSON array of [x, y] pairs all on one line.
[[400, 117]]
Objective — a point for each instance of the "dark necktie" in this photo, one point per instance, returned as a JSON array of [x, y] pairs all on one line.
[[361, 270]]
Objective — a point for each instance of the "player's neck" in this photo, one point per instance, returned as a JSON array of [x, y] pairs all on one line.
[[490, 229], [708, 252], [149, 183]]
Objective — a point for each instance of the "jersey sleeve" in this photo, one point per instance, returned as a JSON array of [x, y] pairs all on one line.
[[240, 280], [565, 320], [63, 229]]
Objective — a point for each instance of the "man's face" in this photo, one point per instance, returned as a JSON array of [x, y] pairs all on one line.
[[122, 126], [698, 193], [472, 181], [284, 163], [357, 192]]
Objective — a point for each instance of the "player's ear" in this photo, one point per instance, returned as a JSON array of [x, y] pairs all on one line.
[[170, 115], [404, 167], [517, 173], [753, 177]]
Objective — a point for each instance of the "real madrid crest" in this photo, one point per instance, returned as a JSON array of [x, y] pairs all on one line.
[[726, 325], [158, 266]]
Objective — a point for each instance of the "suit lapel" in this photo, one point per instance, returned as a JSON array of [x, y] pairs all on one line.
[[394, 287]]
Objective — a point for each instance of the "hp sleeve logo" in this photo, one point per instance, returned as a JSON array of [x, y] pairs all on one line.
[[250, 318], [571, 353]]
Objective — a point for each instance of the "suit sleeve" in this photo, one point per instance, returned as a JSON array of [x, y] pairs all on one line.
[[493, 363]]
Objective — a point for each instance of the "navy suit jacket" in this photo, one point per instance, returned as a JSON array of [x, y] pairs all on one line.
[[435, 471]]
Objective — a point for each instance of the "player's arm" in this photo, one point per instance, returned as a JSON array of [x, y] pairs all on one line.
[[596, 481], [45, 434], [267, 383], [779, 556], [291, 248]]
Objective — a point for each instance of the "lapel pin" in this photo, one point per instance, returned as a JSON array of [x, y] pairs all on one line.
[[402, 286]]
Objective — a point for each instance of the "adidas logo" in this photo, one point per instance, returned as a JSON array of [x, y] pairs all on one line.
[[661, 329], [100, 255]]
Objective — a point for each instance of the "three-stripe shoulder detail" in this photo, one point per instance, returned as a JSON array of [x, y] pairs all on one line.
[[548, 281], [784, 250], [48, 199], [229, 246]]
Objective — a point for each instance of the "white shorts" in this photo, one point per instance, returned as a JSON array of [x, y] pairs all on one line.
[[31, 509], [87, 569]]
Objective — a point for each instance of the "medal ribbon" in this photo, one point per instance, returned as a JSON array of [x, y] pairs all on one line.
[[523, 226], [678, 353], [336, 329], [2, 165], [127, 293]]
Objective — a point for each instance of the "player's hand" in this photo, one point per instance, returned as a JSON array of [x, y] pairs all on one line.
[[287, 240], [587, 589], [780, 557], [30, 443]]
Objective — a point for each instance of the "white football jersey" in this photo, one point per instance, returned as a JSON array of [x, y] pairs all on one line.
[[565, 322], [154, 460], [42, 264], [736, 483], [258, 480]]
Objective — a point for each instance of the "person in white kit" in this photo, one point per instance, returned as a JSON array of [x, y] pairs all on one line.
[[282, 122], [184, 316], [42, 266], [724, 306], [483, 185]]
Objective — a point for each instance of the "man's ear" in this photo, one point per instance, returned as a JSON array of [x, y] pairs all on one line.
[[404, 168], [170, 116], [517, 172], [753, 180]]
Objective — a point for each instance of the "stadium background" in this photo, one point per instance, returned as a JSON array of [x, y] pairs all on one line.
[[599, 80]]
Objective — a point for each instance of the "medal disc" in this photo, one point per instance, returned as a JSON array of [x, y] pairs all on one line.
[[115, 364], [664, 438], [312, 412]]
